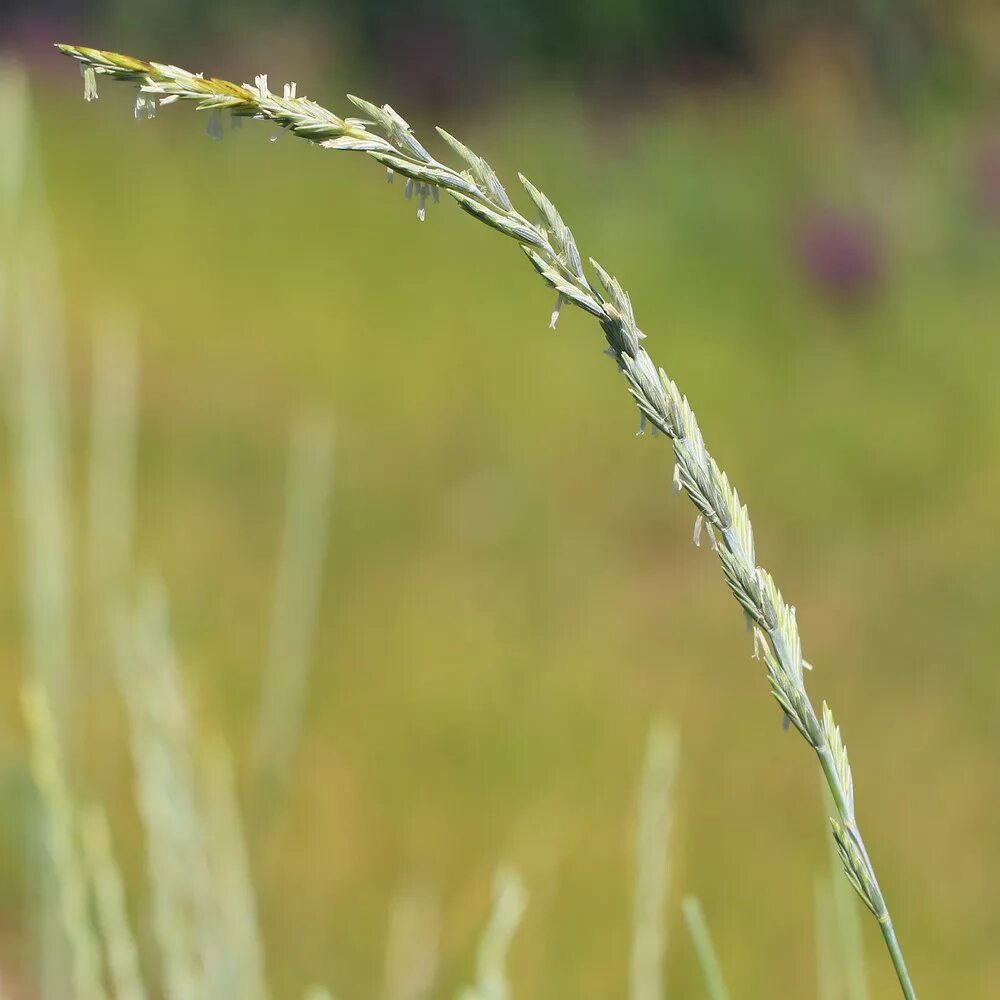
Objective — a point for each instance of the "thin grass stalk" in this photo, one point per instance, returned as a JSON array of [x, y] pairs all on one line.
[[241, 953], [111, 473], [652, 863], [317, 993], [412, 943], [829, 974], [60, 824], [166, 793], [38, 391], [14, 114], [850, 938], [296, 599], [204, 909], [704, 950], [4, 324], [121, 951], [36, 388], [509, 902], [14, 126], [550, 247]]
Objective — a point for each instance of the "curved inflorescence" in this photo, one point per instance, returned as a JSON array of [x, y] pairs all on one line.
[[549, 244]]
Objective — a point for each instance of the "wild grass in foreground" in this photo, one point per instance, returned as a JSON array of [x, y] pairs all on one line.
[[203, 940], [550, 247]]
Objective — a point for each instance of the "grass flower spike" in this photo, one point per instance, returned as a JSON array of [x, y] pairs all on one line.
[[549, 245]]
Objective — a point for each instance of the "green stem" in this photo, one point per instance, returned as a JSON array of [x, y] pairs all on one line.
[[836, 789], [896, 954]]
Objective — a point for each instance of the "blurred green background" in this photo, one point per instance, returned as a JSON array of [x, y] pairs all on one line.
[[804, 202]]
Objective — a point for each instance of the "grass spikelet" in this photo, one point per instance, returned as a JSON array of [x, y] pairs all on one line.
[[841, 970]]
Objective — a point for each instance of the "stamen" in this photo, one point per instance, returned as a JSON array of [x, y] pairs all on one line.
[[560, 299]]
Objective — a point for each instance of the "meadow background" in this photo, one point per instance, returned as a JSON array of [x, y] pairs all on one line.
[[806, 211]]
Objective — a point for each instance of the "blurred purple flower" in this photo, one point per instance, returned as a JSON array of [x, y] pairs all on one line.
[[986, 180], [430, 59], [840, 254]]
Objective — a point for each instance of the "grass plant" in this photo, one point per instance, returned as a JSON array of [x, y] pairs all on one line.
[[704, 949], [550, 247], [654, 826], [35, 383], [296, 599], [509, 902]]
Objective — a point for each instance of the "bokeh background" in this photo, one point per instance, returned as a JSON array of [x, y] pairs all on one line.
[[804, 202]]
